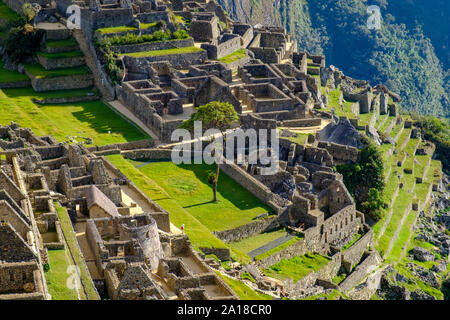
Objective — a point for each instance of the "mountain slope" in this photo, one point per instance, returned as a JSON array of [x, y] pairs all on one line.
[[401, 55]]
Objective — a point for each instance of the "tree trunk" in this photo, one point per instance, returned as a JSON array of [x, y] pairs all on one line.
[[215, 191]]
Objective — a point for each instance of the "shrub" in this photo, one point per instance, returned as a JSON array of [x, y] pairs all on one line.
[[22, 40]]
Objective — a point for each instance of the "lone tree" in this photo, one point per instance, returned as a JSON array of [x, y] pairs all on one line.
[[213, 115]]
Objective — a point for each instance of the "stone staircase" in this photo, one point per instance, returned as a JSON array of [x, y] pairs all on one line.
[[61, 64]]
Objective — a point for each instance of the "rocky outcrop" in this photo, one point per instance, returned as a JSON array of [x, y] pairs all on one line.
[[342, 132]]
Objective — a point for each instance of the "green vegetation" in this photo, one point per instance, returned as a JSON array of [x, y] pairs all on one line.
[[251, 243], [298, 267], [370, 170], [188, 185], [71, 240], [62, 55], [162, 52], [40, 72], [86, 119], [57, 276], [355, 238], [238, 54], [157, 36], [70, 42], [214, 115], [11, 76], [199, 234], [279, 248], [242, 290], [437, 131]]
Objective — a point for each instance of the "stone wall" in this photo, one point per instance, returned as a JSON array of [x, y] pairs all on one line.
[[151, 46], [369, 264], [352, 255], [178, 60], [248, 230], [258, 189]]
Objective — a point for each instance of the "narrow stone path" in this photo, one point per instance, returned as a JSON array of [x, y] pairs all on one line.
[[269, 246]]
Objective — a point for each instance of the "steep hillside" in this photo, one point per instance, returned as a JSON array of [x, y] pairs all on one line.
[[409, 54]]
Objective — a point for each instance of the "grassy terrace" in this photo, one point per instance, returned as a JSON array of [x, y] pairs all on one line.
[[256, 241], [383, 127], [125, 28], [364, 118], [87, 119], [62, 55], [239, 54], [70, 42], [162, 52], [401, 203], [76, 255], [57, 276], [242, 290], [184, 192], [188, 185], [40, 72], [296, 268], [396, 129], [11, 76], [279, 248]]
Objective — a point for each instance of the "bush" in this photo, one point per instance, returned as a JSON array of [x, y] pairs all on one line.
[[22, 40], [369, 169]]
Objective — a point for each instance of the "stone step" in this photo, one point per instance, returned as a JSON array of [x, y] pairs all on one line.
[[54, 31], [52, 61], [60, 46]]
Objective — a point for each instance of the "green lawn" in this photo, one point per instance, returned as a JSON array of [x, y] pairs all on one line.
[[198, 233], [11, 76], [62, 55], [120, 29], [188, 185], [57, 276], [256, 241], [162, 52], [239, 54], [40, 72], [298, 267], [88, 119], [70, 42]]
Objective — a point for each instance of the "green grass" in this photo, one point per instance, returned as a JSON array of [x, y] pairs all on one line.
[[57, 276], [238, 54], [87, 119], [6, 13], [401, 203], [199, 234], [334, 295], [62, 55], [386, 124], [70, 42], [126, 28], [355, 238], [69, 235], [188, 185], [116, 29], [278, 249], [251, 243], [162, 52], [297, 268], [301, 138], [242, 290], [11, 76], [40, 72], [333, 98]]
